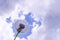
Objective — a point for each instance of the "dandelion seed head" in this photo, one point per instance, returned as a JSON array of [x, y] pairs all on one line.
[[21, 26]]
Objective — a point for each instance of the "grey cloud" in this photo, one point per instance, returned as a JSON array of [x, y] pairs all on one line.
[[7, 6], [52, 18], [52, 22]]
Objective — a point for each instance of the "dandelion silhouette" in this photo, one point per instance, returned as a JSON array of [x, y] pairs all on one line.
[[21, 27]]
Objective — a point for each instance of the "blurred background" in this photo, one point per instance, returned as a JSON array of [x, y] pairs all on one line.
[[43, 17]]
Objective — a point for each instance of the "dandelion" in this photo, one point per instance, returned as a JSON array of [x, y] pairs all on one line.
[[21, 27]]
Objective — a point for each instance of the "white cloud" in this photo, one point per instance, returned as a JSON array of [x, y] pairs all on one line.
[[40, 8], [6, 32], [50, 23], [38, 33]]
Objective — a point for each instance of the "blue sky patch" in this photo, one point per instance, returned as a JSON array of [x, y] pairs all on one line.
[[29, 19], [8, 20]]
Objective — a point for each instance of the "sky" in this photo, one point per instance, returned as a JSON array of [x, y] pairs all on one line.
[[43, 17]]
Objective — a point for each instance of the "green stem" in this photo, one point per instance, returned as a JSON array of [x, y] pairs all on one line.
[[16, 36]]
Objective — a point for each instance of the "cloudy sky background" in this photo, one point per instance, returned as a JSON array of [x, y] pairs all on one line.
[[43, 16]]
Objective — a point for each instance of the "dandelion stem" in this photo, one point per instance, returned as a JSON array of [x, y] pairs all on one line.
[[16, 36]]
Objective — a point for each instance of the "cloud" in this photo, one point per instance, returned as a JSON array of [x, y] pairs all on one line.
[[38, 33], [40, 8], [50, 23], [48, 13], [7, 6], [6, 32]]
